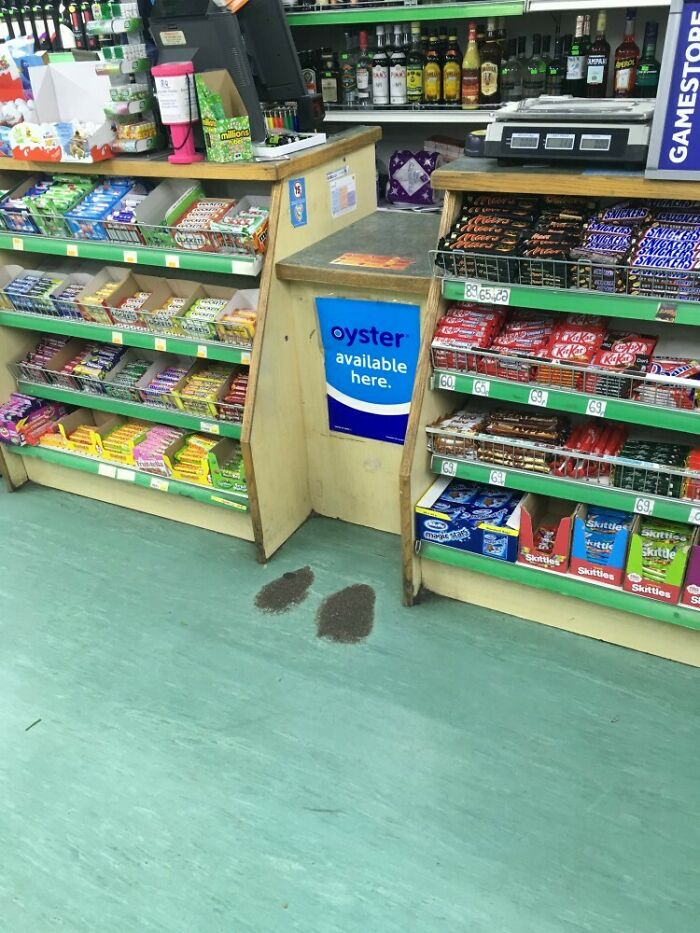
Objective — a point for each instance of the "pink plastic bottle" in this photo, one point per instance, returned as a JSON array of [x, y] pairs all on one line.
[[177, 100]]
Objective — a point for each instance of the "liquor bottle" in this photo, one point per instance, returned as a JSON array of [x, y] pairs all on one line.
[[511, 74], [397, 70], [452, 72], [576, 63], [556, 70], [363, 73], [424, 41], [348, 77], [546, 50], [480, 36], [442, 44], [649, 68], [432, 74], [414, 67], [598, 61], [490, 69], [535, 71], [471, 64], [330, 78], [310, 71], [380, 72], [501, 35], [626, 60], [522, 52]]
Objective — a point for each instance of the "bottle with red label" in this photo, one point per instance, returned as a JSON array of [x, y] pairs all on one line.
[[626, 60]]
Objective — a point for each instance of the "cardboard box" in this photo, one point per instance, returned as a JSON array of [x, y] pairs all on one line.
[[667, 591], [457, 514], [16, 216], [7, 274], [139, 318], [159, 211], [99, 424], [225, 121], [542, 512], [162, 362], [160, 322], [97, 313], [690, 595], [208, 330], [611, 568], [69, 98], [239, 334], [220, 477]]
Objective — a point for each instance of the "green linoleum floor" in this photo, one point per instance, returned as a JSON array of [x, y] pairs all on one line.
[[201, 767]]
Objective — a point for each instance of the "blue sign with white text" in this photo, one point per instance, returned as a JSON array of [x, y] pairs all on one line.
[[371, 351], [680, 143], [297, 202]]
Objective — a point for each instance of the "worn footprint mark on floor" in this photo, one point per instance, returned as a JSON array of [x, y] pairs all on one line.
[[348, 615], [286, 591]]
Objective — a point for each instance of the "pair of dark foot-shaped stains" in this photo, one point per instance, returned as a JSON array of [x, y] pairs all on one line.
[[346, 616]]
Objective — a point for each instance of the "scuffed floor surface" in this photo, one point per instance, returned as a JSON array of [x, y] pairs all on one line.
[[205, 765]]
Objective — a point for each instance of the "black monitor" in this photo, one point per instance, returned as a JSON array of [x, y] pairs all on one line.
[[255, 45]]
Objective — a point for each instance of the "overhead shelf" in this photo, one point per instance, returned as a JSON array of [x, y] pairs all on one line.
[[561, 6], [405, 115], [206, 494], [171, 416], [590, 493], [342, 14], [210, 350], [578, 403], [108, 251], [573, 300], [564, 584]]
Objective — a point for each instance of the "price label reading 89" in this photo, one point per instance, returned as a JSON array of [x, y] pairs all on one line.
[[643, 506], [487, 294], [448, 468]]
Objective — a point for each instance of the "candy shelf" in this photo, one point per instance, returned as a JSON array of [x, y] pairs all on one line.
[[204, 494], [536, 384], [598, 593], [158, 414], [212, 350], [581, 403], [390, 13], [106, 251], [271, 434]]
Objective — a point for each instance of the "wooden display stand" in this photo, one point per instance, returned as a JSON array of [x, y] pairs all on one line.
[[272, 433], [652, 627]]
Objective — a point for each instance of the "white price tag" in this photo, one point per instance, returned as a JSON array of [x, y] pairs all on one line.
[[17, 242], [245, 359], [488, 294], [162, 484], [694, 517], [160, 343], [127, 476], [172, 262], [117, 337], [481, 387], [448, 468], [209, 427], [643, 506], [131, 256], [497, 477], [202, 351], [104, 469], [538, 397], [446, 381], [72, 250], [596, 407]]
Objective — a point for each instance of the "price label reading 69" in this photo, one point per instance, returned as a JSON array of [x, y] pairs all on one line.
[[487, 294]]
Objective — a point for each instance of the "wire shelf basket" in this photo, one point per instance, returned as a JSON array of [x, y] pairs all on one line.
[[648, 389], [652, 281], [556, 460]]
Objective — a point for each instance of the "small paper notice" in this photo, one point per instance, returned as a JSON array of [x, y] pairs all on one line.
[[343, 195]]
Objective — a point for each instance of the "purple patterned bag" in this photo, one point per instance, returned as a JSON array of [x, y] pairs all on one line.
[[409, 178]]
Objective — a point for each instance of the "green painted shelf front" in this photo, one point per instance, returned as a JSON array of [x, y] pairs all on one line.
[[171, 416], [129, 338], [632, 307], [446, 12], [205, 494], [133, 254], [590, 493], [577, 402], [562, 583]]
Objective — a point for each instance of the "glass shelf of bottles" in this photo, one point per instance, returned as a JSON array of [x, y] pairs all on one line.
[[319, 14]]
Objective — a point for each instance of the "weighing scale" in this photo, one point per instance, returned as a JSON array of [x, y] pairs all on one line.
[[573, 129]]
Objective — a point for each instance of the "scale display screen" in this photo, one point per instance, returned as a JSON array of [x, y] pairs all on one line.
[[525, 141], [559, 141]]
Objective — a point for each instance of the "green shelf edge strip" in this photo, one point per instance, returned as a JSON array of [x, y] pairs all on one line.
[[564, 584], [445, 12], [129, 338], [131, 254], [205, 494], [583, 302], [591, 494], [673, 419], [171, 416]]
